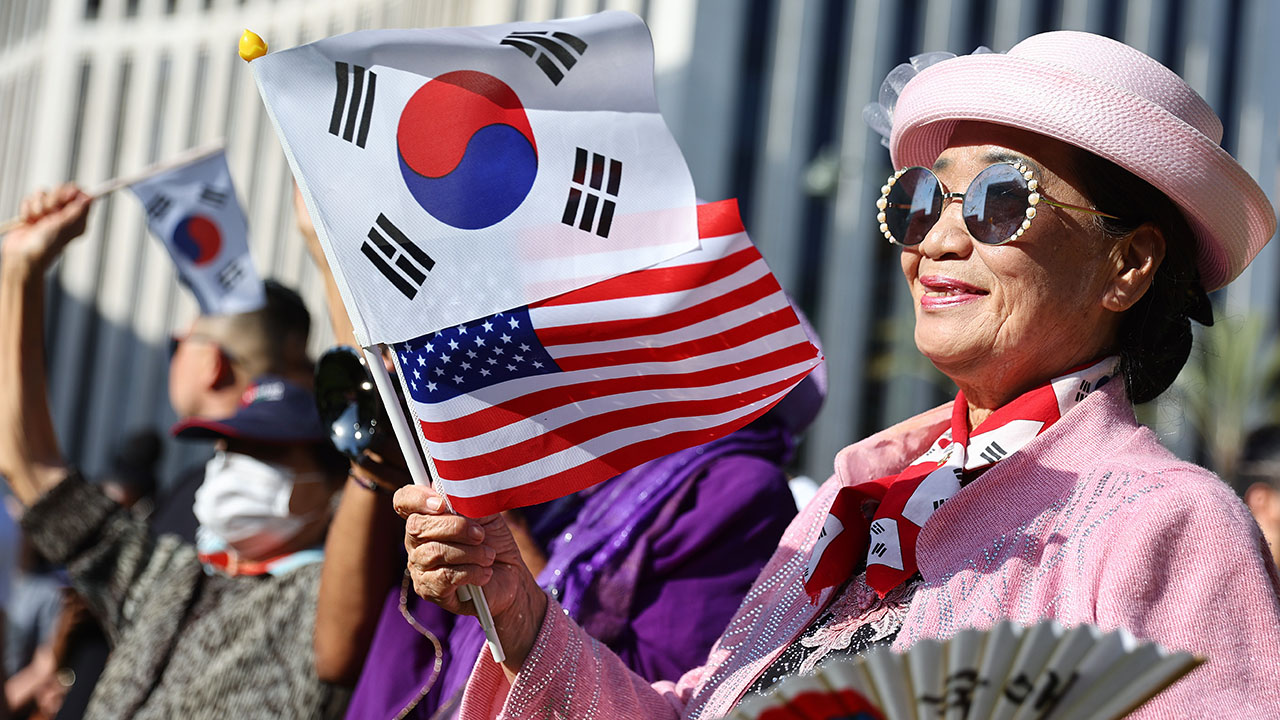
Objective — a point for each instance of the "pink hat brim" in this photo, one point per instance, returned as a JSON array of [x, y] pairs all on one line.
[[1228, 212]]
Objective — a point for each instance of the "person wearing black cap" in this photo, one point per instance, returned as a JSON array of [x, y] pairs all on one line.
[[223, 630], [213, 362]]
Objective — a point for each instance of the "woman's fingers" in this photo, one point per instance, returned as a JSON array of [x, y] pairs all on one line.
[[441, 586], [446, 551], [412, 499], [436, 555], [421, 528]]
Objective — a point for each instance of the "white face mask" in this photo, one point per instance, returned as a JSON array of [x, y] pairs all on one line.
[[245, 502]]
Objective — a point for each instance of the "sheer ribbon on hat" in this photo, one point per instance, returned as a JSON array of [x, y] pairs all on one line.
[[879, 115]]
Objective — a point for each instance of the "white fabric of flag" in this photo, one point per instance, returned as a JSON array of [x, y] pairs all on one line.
[[540, 401], [192, 209], [452, 173]]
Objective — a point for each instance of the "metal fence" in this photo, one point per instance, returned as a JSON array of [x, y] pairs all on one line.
[[764, 96]]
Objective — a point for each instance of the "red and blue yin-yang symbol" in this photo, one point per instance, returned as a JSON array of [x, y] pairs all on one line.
[[198, 239], [466, 149]]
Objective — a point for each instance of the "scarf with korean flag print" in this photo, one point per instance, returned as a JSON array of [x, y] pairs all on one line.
[[880, 520]]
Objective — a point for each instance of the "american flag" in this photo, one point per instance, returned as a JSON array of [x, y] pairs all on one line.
[[544, 400]]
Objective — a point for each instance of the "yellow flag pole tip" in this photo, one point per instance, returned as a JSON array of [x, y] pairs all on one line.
[[252, 46]]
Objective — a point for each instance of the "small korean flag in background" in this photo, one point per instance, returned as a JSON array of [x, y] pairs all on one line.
[[193, 210], [453, 173]]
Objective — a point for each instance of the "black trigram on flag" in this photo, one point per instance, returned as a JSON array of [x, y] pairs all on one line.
[[216, 198], [592, 198], [158, 206], [410, 266], [230, 274], [353, 100], [550, 50], [993, 452]]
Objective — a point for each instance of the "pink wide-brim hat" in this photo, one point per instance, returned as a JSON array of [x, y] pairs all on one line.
[[1107, 98]]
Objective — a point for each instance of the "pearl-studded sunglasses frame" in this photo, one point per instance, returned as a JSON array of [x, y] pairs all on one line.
[[983, 190]]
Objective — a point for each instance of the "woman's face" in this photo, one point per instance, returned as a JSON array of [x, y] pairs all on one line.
[[1001, 319]]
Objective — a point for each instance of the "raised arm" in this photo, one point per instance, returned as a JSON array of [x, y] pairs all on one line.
[[30, 456], [70, 521], [361, 564]]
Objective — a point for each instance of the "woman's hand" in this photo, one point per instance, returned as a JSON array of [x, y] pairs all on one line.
[[448, 551]]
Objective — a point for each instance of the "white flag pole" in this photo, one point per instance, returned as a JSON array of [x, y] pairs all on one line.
[[411, 449], [184, 158], [122, 181]]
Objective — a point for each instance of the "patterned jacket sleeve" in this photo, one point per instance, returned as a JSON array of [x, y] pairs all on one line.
[[108, 553], [1190, 570]]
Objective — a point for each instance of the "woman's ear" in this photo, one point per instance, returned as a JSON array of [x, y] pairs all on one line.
[[1136, 258]]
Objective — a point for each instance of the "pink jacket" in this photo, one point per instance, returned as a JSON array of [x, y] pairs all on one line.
[[1092, 522]]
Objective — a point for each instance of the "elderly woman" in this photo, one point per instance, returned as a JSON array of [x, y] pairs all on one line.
[[1061, 211]]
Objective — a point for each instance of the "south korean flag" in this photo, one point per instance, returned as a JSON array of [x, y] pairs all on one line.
[[454, 173], [192, 209]]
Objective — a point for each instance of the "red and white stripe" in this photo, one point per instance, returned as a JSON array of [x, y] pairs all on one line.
[[653, 362]]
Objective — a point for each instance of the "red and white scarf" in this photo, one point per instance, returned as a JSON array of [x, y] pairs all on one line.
[[882, 518]]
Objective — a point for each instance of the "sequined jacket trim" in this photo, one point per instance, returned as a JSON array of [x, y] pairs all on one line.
[[1092, 522]]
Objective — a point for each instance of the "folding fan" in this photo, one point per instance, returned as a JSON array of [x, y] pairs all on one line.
[[1009, 672]]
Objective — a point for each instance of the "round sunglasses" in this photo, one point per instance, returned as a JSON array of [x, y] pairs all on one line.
[[997, 208]]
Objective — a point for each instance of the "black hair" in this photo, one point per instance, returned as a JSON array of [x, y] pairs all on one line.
[[1154, 339]]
